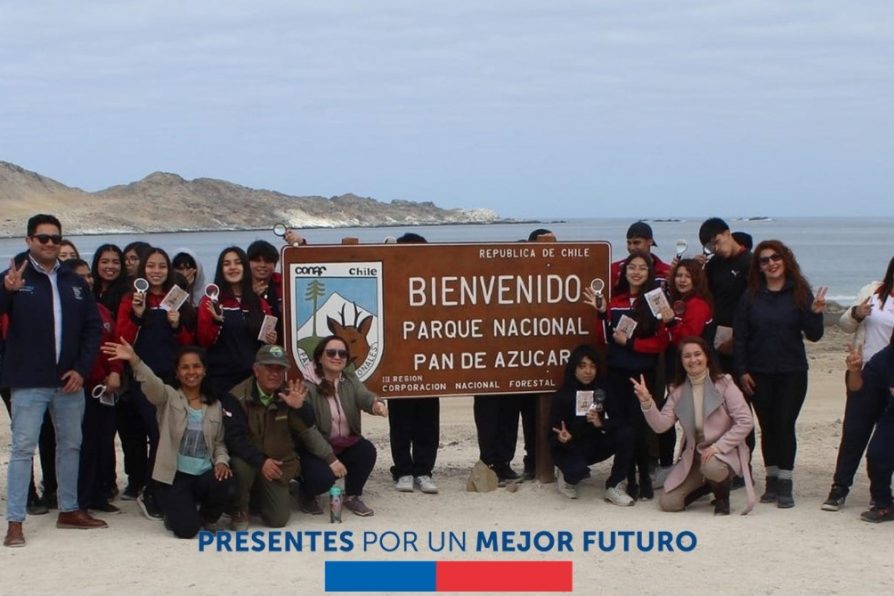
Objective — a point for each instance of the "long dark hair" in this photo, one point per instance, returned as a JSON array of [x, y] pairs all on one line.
[[249, 300], [326, 387], [793, 273], [110, 297], [168, 283], [887, 283], [714, 370], [699, 281], [187, 312], [208, 397], [646, 323]]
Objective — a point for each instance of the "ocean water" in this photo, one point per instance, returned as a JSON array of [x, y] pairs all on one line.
[[841, 253]]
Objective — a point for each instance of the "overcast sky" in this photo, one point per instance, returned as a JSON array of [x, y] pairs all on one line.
[[534, 109]]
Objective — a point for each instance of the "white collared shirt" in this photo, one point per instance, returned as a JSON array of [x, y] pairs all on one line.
[[52, 275]]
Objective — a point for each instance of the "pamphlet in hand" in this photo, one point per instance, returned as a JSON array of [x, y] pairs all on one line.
[[626, 325], [657, 301], [174, 299], [584, 401], [722, 335], [267, 326]]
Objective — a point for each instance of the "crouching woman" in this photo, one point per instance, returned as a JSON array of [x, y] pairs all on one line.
[[715, 420], [192, 464]]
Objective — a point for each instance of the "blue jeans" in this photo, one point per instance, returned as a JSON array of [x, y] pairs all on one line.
[[28, 408]]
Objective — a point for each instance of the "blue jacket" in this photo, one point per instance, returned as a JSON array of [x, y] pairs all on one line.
[[769, 331], [30, 354]]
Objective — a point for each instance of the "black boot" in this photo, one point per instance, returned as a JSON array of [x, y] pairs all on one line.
[[697, 494], [770, 495], [646, 492], [784, 499], [721, 495]]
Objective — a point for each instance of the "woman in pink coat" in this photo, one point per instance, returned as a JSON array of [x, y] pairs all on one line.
[[715, 421]]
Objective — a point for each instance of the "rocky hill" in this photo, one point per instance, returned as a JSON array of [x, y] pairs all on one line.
[[163, 202]]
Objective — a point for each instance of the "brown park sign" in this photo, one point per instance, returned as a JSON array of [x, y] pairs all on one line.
[[445, 319]]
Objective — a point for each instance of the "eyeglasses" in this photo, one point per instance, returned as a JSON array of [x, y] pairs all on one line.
[[339, 353], [45, 238], [775, 257], [184, 266]]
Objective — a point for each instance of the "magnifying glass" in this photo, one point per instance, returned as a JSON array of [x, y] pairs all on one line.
[[141, 285], [213, 292], [280, 229], [709, 250], [681, 247], [597, 285], [99, 391]]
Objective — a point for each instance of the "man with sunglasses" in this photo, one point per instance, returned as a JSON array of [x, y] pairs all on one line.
[[52, 340]]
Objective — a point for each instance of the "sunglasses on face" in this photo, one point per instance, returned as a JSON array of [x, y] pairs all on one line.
[[45, 238], [775, 257], [339, 353]]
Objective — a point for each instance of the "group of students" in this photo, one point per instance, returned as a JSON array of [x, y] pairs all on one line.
[[729, 336], [160, 374]]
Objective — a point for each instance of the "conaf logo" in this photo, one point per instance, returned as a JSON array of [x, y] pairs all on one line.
[[344, 300], [319, 270]]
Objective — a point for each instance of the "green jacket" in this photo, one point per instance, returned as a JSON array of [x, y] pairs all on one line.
[[353, 396], [171, 411], [272, 430]]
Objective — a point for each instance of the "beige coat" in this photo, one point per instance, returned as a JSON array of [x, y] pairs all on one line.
[[171, 413]]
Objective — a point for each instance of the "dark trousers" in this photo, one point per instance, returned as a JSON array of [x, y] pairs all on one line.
[[414, 427], [496, 420], [667, 441], [192, 501], [316, 476], [98, 432], [270, 497], [527, 405], [631, 412], [880, 460], [726, 365], [861, 412], [574, 458], [134, 441], [148, 414], [777, 400], [47, 444]]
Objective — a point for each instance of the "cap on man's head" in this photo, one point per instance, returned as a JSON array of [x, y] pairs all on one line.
[[640, 229], [272, 354]]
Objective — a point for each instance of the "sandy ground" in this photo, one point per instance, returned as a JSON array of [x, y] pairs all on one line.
[[797, 551]]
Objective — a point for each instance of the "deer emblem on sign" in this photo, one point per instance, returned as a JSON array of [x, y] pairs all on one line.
[[355, 335]]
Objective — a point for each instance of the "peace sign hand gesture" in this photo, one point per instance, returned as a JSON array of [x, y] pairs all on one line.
[[563, 435], [862, 310], [854, 360], [819, 302], [641, 390], [13, 281]]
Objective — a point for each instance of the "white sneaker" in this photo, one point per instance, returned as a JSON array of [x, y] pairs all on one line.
[[426, 485], [569, 490], [614, 494], [404, 484]]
